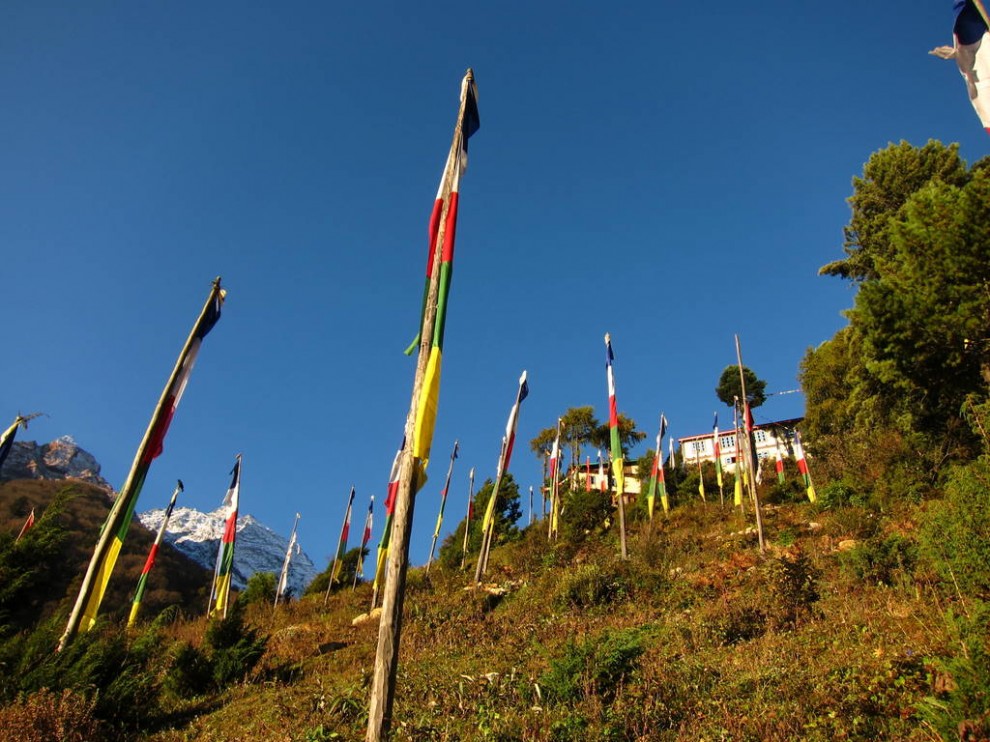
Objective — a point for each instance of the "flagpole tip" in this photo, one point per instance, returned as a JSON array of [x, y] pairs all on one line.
[[608, 338], [470, 74]]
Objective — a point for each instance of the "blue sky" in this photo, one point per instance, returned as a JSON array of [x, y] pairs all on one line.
[[672, 173]]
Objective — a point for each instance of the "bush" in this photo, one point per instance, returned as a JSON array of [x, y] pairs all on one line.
[[960, 705], [46, 716], [260, 589], [585, 514], [591, 586], [880, 560], [955, 537], [230, 651], [840, 493], [793, 587], [596, 666]]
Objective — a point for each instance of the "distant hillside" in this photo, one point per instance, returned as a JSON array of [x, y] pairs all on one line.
[[175, 580]]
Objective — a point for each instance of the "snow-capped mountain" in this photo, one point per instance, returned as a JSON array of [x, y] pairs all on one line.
[[257, 549]]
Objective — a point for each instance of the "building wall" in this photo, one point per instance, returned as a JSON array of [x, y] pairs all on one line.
[[702, 447]]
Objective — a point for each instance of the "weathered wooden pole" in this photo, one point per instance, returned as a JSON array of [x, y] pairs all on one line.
[[118, 519], [753, 459], [410, 471]]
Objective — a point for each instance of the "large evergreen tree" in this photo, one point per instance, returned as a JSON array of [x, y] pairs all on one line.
[[884, 395]]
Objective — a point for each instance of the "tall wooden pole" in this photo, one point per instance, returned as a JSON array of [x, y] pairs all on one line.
[[135, 478], [443, 502], [390, 626], [753, 460], [467, 520]]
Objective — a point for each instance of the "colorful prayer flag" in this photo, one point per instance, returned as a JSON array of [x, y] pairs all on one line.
[[152, 554], [118, 521], [443, 503], [444, 212], [224, 571], [28, 525], [618, 469], [338, 559], [390, 494], [802, 465], [661, 474], [717, 447], [365, 538], [488, 521]]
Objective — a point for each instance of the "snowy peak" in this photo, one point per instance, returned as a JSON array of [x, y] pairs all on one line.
[[258, 548]]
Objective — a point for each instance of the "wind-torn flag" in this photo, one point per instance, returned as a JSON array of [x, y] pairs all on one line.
[[443, 504], [802, 465], [365, 538], [615, 436], [445, 213], [220, 598], [7, 439], [971, 50], [28, 525], [555, 483], [338, 559], [488, 520], [717, 448], [152, 555], [391, 491], [656, 474], [618, 465], [118, 521], [661, 474], [778, 463], [283, 578]]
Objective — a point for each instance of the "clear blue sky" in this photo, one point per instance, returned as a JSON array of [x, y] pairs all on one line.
[[672, 173]]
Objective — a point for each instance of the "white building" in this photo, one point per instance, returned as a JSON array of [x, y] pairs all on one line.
[[770, 438]]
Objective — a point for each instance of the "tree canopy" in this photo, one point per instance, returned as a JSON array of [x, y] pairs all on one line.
[[730, 388], [917, 346]]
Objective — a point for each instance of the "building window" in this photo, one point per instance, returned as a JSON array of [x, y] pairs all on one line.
[[761, 436], [728, 441]]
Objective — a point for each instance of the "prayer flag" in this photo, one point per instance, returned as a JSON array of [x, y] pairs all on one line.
[[802, 465], [223, 573], [152, 554], [444, 212], [118, 520], [971, 50]]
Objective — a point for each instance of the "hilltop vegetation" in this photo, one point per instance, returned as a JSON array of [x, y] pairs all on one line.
[[867, 617]]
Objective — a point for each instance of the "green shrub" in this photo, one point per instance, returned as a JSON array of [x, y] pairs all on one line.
[[585, 515], [596, 666], [230, 651], [793, 587], [841, 493], [959, 707], [592, 586], [955, 537], [880, 560]]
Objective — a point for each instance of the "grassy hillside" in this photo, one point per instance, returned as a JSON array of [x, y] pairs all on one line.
[[175, 580], [841, 630]]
